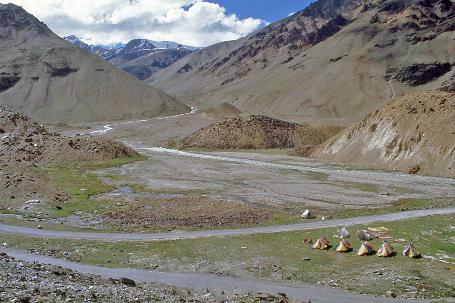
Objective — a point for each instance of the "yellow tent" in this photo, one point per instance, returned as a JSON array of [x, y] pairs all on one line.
[[366, 249], [411, 251], [321, 243], [386, 250], [344, 246]]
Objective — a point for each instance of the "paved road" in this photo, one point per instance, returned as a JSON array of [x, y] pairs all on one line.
[[112, 237], [296, 291]]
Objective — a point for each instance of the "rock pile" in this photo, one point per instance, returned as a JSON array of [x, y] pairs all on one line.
[[258, 132], [449, 84], [254, 132], [30, 282]]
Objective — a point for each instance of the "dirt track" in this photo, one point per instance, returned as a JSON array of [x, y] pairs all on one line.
[[110, 237], [202, 281]]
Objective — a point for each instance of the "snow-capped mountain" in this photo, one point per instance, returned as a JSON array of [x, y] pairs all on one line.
[[139, 57], [171, 45], [101, 51]]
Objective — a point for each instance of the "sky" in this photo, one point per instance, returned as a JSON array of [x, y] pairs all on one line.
[[270, 10], [190, 22]]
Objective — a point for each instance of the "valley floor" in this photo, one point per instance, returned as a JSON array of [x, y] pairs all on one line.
[[169, 190]]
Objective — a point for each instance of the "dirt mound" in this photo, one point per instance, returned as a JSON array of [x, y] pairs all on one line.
[[259, 132], [24, 144], [222, 111], [24, 140], [254, 132], [415, 133]]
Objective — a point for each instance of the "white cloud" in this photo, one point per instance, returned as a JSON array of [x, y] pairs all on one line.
[[192, 22]]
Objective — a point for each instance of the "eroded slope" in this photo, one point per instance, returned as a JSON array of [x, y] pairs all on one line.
[[414, 133], [336, 58]]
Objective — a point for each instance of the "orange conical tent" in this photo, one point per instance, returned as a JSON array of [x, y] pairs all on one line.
[[366, 249], [411, 251], [344, 246], [321, 243], [386, 250]]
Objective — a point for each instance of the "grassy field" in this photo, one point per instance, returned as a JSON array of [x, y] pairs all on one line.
[[81, 183], [284, 256], [78, 180]]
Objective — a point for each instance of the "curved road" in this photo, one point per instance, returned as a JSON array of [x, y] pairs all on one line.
[[40, 233], [296, 291]]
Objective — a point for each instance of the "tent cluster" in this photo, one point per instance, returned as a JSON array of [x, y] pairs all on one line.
[[366, 249]]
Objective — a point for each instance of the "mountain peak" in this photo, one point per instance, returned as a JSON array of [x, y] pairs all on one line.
[[72, 38], [14, 18], [138, 45]]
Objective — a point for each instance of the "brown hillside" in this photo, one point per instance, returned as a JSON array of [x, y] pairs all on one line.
[[415, 133], [335, 59], [51, 80]]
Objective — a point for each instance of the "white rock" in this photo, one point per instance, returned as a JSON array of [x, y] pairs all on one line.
[[307, 214]]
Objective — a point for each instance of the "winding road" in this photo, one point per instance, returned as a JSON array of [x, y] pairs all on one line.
[[296, 291], [113, 237], [202, 281]]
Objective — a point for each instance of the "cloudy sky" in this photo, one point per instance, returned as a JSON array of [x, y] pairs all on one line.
[[191, 22]]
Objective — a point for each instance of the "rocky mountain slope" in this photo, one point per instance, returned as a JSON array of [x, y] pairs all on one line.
[[51, 80], [139, 57], [415, 133], [335, 59]]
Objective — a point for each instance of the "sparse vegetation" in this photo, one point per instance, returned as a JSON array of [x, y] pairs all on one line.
[[284, 256], [80, 183]]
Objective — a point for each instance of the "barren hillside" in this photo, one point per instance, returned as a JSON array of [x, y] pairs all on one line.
[[335, 59], [24, 144], [51, 80], [414, 133]]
